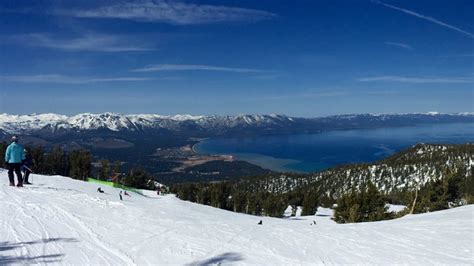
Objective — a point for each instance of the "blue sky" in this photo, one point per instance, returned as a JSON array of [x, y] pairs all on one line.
[[301, 58]]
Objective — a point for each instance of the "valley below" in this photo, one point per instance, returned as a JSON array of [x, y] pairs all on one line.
[[212, 148]]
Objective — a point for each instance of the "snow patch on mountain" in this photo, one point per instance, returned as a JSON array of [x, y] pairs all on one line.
[[24, 124]]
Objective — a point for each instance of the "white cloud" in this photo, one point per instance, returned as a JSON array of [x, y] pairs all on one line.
[[90, 42], [400, 45], [172, 12], [171, 67], [56, 78], [303, 95], [418, 79], [430, 19]]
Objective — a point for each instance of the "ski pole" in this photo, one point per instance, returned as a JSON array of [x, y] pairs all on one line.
[[27, 168], [31, 171]]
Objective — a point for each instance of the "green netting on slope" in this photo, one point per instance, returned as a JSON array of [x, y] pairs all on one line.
[[112, 184]]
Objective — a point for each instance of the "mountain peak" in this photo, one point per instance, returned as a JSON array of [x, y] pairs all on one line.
[[24, 124]]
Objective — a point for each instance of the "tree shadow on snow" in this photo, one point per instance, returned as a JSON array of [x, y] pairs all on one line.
[[24, 259], [296, 219], [220, 259]]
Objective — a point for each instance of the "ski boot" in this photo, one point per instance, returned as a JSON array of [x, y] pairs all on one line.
[[19, 185]]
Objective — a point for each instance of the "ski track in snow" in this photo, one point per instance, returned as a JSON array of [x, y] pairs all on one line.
[[63, 221]]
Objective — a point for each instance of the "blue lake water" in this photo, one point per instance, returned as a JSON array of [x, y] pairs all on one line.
[[315, 152]]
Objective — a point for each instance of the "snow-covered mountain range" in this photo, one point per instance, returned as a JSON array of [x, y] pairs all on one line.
[[118, 122], [52, 123]]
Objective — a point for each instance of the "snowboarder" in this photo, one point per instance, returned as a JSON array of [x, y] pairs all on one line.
[[14, 156], [26, 167], [120, 195], [125, 193], [260, 223], [100, 190]]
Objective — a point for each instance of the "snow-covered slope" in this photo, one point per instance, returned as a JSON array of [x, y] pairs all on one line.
[[64, 221]]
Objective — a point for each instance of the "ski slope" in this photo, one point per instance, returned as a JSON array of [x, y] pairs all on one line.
[[63, 221]]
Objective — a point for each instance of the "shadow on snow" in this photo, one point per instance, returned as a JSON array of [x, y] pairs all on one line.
[[25, 259], [220, 259]]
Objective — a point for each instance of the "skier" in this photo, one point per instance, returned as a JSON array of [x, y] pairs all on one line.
[[125, 193], [100, 190], [14, 155], [26, 167], [120, 195]]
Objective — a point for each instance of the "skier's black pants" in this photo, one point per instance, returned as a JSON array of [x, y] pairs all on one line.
[[27, 174], [14, 167]]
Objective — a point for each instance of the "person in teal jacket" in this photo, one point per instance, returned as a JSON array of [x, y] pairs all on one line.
[[14, 156]]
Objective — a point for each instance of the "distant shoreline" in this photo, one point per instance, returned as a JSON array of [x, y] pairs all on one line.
[[264, 161], [193, 147], [333, 148]]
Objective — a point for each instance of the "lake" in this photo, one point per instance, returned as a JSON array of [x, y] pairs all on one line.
[[315, 152]]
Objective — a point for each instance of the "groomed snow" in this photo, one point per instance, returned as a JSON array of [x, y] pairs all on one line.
[[63, 221]]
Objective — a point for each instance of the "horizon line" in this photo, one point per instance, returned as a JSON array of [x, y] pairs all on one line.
[[240, 114]]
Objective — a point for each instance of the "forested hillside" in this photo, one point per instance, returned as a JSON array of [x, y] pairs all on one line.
[[397, 178]]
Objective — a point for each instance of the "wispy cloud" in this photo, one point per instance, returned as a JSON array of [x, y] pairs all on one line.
[[303, 95], [89, 42], [458, 55], [400, 45], [57, 78], [382, 92], [269, 76], [171, 67], [172, 12], [418, 79], [427, 18]]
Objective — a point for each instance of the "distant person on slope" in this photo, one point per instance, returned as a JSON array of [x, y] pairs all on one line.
[[26, 167], [14, 157], [100, 190]]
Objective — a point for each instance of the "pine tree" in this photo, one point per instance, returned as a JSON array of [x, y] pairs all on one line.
[[137, 178], [366, 205], [80, 162], [3, 148], [239, 199], [39, 159], [310, 203], [117, 167], [57, 162], [104, 170]]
